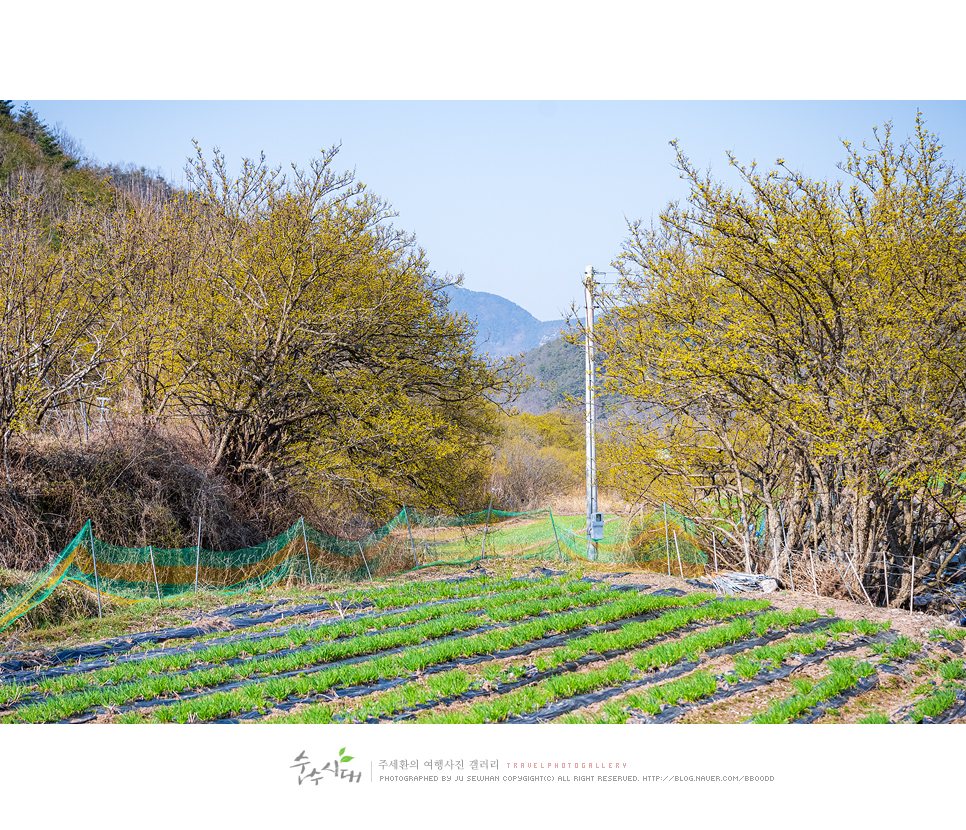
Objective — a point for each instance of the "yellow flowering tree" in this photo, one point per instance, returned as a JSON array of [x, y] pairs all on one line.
[[794, 352], [323, 349]]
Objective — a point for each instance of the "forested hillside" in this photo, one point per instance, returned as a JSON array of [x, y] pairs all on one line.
[[557, 369]]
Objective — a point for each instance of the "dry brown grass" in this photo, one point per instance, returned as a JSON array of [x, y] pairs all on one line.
[[69, 601], [139, 482]]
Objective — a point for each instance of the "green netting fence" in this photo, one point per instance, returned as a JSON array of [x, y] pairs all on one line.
[[410, 541]]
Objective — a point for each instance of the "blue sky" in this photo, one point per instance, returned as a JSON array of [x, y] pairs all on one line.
[[519, 196]]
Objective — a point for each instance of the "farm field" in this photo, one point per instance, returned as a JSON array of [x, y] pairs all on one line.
[[505, 643]]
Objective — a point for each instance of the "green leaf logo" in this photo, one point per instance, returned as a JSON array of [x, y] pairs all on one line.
[[343, 758]]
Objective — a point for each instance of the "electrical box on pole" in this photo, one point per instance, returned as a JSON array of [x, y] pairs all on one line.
[[595, 521], [596, 526]]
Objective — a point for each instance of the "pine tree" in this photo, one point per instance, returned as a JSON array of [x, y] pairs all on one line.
[[30, 125]]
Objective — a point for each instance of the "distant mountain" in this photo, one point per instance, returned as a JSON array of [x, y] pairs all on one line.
[[558, 371], [503, 327]]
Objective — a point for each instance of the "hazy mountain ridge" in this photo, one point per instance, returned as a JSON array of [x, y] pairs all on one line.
[[503, 327]]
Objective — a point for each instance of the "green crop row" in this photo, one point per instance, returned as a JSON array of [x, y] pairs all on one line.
[[773, 654], [746, 665], [626, 637], [413, 659], [413, 592], [935, 703], [945, 694], [845, 673], [692, 687], [663, 654], [523, 602], [401, 596], [420, 659]]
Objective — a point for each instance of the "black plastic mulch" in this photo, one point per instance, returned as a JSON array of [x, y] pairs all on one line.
[[672, 713], [563, 707], [534, 676], [865, 684], [120, 645], [546, 572], [547, 642], [955, 646], [954, 712], [32, 676], [498, 688], [110, 652], [553, 641], [241, 608], [30, 698], [237, 684], [36, 675], [951, 713]]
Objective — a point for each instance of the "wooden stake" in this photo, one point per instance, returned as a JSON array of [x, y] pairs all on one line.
[[885, 576], [412, 544], [307, 559], [912, 583], [842, 577], [364, 560], [859, 579], [714, 542], [667, 541], [153, 568], [198, 554], [814, 581], [680, 568], [486, 527], [785, 544], [553, 524], [97, 584]]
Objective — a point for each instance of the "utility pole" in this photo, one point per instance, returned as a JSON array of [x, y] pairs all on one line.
[[595, 524]]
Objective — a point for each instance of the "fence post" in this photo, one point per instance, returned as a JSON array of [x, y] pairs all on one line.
[[553, 524], [885, 576], [97, 584], [87, 432], [307, 559], [667, 541], [785, 544], [198, 554], [153, 568], [912, 583], [681, 569], [859, 578], [714, 542], [409, 528], [486, 527], [842, 577], [364, 560], [812, 560]]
